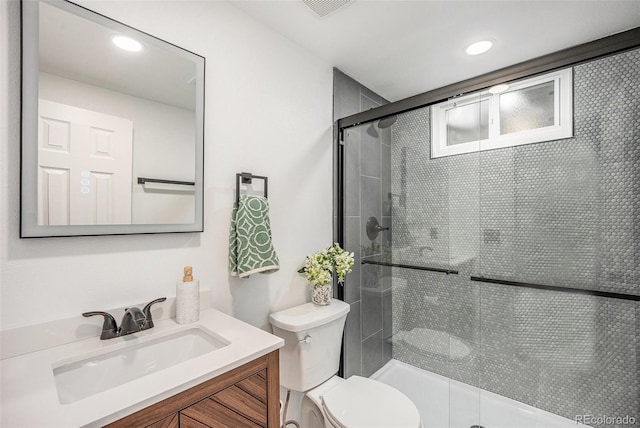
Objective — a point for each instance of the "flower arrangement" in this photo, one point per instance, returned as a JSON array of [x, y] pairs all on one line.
[[319, 268]]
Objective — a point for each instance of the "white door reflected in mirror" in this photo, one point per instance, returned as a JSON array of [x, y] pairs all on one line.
[[76, 143]]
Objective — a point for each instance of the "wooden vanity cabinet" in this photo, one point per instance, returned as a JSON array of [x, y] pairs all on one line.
[[245, 397]]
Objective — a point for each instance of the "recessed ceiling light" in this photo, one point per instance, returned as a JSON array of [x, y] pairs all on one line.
[[498, 89], [479, 47], [127, 43]]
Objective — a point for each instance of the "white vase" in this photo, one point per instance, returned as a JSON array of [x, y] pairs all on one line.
[[321, 294]]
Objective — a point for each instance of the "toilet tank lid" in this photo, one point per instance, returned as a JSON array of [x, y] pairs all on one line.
[[309, 315]]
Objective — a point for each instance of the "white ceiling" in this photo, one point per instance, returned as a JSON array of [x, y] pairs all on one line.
[[160, 72], [403, 48]]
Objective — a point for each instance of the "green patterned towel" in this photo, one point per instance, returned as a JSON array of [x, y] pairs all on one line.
[[250, 247]]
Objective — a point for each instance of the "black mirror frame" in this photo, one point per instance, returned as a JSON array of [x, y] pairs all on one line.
[[29, 227]]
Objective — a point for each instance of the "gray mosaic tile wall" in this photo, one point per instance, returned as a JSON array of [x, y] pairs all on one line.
[[561, 213], [368, 187]]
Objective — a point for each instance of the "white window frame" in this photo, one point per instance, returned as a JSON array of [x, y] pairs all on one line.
[[561, 128]]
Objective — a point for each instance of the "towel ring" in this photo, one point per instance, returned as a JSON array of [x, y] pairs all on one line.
[[247, 178]]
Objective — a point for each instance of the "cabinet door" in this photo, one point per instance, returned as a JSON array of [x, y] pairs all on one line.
[[245, 397], [241, 405], [210, 413]]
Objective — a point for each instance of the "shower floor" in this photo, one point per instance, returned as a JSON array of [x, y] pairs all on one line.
[[446, 403]]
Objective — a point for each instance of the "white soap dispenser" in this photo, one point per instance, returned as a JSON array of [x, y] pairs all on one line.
[[187, 298]]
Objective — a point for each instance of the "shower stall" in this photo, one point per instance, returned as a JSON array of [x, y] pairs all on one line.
[[497, 277]]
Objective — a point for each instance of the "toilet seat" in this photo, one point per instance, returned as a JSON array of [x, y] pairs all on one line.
[[365, 403]]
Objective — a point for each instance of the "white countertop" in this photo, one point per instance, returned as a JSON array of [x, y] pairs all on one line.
[[29, 397]]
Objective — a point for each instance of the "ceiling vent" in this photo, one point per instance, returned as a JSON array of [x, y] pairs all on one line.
[[325, 7]]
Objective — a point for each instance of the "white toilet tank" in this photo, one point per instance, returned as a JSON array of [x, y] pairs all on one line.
[[313, 338]]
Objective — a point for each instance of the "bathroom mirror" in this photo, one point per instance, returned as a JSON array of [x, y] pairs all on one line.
[[112, 127]]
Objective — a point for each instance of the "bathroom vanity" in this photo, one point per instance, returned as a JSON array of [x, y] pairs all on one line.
[[244, 397], [218, 371]]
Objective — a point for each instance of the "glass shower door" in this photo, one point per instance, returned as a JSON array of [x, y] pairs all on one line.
[[414, 324], [556, 227], [504, 292]]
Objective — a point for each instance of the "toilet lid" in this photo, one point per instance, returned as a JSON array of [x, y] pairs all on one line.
[[359, 402]]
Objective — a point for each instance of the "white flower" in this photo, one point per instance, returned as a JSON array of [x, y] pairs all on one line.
[[320, 266]]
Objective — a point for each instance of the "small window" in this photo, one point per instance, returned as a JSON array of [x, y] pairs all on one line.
[[528, 111]]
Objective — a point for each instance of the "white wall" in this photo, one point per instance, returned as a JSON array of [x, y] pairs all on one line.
[[268, 111], [163, 144]]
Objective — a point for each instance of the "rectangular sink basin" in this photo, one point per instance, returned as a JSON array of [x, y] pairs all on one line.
[[91, 374]]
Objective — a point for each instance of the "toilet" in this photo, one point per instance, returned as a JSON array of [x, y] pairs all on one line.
[[309, 362]]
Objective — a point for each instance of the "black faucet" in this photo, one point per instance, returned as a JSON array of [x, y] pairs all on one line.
[[133, 321]]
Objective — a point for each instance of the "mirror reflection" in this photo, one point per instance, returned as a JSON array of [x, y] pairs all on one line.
[[119, 128]]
